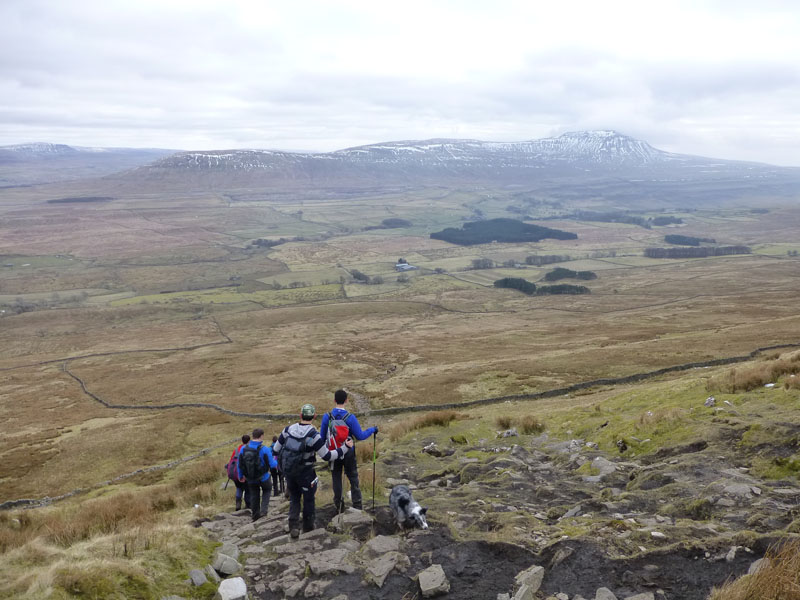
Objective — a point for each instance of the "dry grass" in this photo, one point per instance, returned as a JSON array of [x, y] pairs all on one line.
[[528, 424], [364, 451], [112, 514], [439, 418], [503, 422], [757, 375], [777, 579]]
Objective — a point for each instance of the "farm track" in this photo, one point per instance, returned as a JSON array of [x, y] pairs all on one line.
[[362, 401]]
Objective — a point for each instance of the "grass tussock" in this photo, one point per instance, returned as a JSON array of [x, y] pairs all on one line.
[[528, 424], [754, 376], [439, 418], [778, 577], [503, 422], [792, 383]]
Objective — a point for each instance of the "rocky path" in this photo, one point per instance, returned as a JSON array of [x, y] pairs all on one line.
[[568, 533]]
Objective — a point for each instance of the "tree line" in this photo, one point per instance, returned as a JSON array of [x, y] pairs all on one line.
[[686, 240], [621, 217], [526, 287], [695, 252], [562, 273], [499, 230]]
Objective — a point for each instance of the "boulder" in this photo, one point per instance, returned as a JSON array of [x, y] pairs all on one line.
[[212, 575], [198, 577], [379, 568], [433, 582], [357, 522], [742, 490], [315, 589], [508, 433], [604, 594], [757, 565], [225, 565], [232, 589], [644, 596], [531, 577], [382, 544], [330, 561]]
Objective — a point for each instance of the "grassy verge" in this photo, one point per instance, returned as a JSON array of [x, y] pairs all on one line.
[[124, 544]]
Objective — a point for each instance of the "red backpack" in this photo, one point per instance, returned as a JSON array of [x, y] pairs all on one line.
[[338, 431], [232, 468]]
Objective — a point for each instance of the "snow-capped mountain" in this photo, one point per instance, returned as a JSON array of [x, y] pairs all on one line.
[[40, 162], [578, 164], [588, 153]]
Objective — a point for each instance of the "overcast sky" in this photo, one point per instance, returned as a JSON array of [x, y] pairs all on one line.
[[715, 78]]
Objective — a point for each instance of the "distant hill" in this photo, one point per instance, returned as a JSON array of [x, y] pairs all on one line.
[[602, 168], [603, 165], [27, 164]]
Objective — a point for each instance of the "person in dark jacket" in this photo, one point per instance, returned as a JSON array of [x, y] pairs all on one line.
[[259, 504], [299, 445], [349, 463], [278, 480]]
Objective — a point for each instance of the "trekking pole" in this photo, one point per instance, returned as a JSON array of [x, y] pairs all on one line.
[[374, 447]]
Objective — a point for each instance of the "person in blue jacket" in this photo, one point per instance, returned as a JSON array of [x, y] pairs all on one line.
[[348, 463], [259, 504]]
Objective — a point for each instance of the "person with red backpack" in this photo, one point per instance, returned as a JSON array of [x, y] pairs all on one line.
[[232, 469], [336, 427]]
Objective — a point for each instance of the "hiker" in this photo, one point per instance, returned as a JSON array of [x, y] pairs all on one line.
[[335, 427], [255, 462], [278, 480], [232, 469], [299, 445]]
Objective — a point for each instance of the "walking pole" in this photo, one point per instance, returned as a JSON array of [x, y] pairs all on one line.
[[374, 446]]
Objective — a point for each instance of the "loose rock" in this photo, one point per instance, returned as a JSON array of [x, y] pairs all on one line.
[[232, 589], [433, 582]]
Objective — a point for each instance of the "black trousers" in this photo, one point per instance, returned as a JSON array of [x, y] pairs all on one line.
[[348, 464], [278, 481], [259, 503], [242, 489], [303, 489]]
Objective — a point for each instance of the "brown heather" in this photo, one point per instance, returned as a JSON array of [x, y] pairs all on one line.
[[744, 379], [777, 579], [439, 418], [64, 526], [530, 424]]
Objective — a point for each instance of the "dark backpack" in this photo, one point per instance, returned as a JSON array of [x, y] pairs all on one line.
[[252, 467], [232, 467], [293, 461], [338, 430]]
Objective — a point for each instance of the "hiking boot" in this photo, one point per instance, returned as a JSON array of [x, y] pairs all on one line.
[[294, 533], [238, 504]]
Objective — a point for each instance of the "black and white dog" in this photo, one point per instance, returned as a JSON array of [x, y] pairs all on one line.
[[406, 510]]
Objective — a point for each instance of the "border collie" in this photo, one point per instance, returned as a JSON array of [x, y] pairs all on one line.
[[406, 510]]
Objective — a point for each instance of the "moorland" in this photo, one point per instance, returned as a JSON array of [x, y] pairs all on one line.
[[152, 326]]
